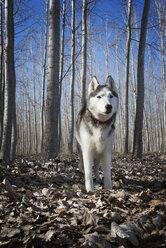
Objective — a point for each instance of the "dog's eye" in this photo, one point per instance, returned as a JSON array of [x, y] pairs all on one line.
[[98, 96], [111, 96]]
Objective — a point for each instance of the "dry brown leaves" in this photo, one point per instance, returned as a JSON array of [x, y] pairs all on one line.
[[44, 204]]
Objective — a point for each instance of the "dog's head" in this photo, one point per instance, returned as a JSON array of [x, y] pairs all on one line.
[[102, 99]]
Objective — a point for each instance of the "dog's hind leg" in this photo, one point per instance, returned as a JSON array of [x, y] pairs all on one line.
[[81, 163], [96, 170], [106, 162]]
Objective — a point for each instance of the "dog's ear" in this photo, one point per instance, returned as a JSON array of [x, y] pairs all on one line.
[[93, 85], [110, 83]]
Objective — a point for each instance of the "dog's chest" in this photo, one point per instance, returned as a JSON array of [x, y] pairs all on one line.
[[100, 140], [95, 139]]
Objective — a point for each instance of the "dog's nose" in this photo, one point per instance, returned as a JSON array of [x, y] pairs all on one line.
[[108, 108]]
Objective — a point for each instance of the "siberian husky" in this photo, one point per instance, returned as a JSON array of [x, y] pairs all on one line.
[[95, 128]]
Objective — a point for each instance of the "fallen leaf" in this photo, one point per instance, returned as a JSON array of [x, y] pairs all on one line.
[[49, 234], [99, 241], [155, 203], [9, 232], [157, 221], [90, 219], [116, 230], [101, 229], [115, 217], [29, 194], [118, 194], [60, 210]]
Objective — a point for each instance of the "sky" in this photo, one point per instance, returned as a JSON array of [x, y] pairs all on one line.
[[104, 9], [112, 10]]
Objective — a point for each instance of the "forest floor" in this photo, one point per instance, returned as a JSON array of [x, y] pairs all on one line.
[[44, 204]]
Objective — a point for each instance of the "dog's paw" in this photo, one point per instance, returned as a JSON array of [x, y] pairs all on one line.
[[108, 186], [89, 187]]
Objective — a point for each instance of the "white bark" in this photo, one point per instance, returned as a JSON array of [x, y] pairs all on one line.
[[84, 52]]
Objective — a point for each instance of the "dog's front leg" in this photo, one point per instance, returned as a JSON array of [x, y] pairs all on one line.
[[96, 170], [106, 162], [87, 158]]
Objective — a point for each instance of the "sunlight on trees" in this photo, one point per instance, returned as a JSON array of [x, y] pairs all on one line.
[[83, 38]]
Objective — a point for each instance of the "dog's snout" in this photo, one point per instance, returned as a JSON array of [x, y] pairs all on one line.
[[108, 107]]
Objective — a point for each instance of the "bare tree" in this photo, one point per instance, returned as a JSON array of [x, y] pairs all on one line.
[[52, 102], [61, 68], [119, 91], [1, 71], [71, 133], [14, 124], [137, 144], [84, 52], [127, 65], [34, 104], [161, 9], [43, 82], [10, 84]]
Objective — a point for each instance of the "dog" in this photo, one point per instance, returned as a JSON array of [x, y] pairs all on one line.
[[95, 131]]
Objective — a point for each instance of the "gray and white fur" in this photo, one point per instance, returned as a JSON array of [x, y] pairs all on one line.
[[95, 130]]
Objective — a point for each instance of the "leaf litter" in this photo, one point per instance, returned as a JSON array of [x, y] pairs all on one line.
[[44, 204]]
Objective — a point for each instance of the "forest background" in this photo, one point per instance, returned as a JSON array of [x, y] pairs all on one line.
[[38, 109]]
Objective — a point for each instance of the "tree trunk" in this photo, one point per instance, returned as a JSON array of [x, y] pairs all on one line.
[[61, 70], [71, 122], [164, 85], [34, 105], [34, 114], [43, 83], [90, 51], [84, 53], [52, 102], [1, 73], [137, 144], [9, 106], [14, 124], [29, 121], [127, 65], [162, 23], [120, 133]]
